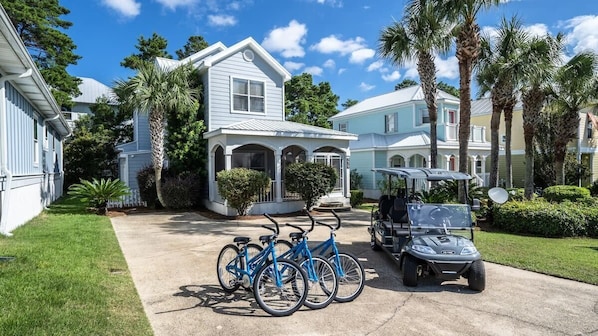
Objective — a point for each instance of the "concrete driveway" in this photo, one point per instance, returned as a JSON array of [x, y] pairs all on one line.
[[172, 259]]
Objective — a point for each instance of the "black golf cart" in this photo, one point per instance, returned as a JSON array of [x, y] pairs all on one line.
[[426, 239]]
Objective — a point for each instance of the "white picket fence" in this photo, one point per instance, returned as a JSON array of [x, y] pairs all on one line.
[[131, 200]]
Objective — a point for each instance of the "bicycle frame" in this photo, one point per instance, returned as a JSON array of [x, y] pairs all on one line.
[[329, 244], [252, 265]]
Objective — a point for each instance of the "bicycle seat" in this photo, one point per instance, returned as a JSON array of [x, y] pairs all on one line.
[[241, 240], [296, 235], [266, 238]]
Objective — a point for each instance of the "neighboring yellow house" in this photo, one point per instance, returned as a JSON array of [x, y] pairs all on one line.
[[481, 113]]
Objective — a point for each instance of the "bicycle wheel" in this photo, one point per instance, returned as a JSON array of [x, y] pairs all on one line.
[[281, 300], [351, 284], [282, 246], [324, 286], [229, 255]]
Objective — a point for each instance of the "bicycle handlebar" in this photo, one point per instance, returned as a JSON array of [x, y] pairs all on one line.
[[338, 220], [313, 221], [277, 230]]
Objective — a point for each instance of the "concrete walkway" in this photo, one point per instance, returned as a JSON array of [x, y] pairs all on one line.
[[172, 259]]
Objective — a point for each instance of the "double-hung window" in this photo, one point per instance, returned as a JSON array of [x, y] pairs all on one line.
[[35, 143], [390, 123], [342, 127], [425, 116], [248, 95]]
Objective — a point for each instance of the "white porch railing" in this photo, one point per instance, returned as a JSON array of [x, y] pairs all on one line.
[[476, 134], [131, 200], [269, 197]]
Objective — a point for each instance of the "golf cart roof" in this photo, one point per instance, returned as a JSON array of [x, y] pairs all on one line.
[[429, 174]]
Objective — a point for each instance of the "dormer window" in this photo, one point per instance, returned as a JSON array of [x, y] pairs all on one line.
[[424, 116], [248, 96]]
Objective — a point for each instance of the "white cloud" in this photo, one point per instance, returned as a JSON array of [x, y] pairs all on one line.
[[329, 64], [221, 20], [332, 44], [584, 33], [489, 32], [173, 4], [391, 77], [375, 66], [341, 70], [287, 40], [538, 29], [293, 66], [127, 8], [235, 5], [314, 70], [333, 3], [448, 68], [366, 87], [361, 55]]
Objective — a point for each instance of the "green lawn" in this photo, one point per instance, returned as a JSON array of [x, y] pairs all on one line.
[[68, 277], [571, 258]]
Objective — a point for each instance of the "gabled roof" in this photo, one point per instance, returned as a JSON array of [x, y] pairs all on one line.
[[259, 127], [91, 90], [392, 99], [206, 58], [15, 60]]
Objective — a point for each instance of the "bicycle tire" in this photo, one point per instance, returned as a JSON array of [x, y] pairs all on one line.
[[282, 246], [324, 288], [285, 300], [229, 281], [351, 284]]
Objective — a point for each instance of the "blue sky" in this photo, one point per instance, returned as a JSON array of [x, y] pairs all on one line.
[[334, 40]]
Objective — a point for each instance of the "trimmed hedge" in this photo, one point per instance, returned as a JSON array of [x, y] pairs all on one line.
[[182, 191], [356, 198], [560, 193], [546, 219]]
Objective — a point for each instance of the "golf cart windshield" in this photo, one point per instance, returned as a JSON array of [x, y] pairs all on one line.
[[449, 216]]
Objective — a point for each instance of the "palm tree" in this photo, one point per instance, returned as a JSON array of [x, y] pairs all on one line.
[[463, 13], [420, 35], [574, 86], [539, 58], [156, 90], [497, 72]]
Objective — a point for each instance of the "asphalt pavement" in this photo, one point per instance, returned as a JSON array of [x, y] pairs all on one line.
[[172, 259]]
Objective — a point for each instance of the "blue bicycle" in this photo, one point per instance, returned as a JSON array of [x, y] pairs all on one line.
[[280, 286], [348, 268], [323, 282]]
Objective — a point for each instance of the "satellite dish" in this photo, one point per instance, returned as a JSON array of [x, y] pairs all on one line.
[[498, 195]]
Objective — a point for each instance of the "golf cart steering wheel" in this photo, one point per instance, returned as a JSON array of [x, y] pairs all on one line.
[[439, 213]]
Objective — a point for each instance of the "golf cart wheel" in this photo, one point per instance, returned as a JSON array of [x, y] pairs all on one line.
[[373, 244], [409, 271], [477, 276]]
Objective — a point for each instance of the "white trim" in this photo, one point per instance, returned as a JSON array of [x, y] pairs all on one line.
[[249, 95]]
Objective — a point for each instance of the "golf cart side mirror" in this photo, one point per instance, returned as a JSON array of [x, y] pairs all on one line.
[[475, 204]]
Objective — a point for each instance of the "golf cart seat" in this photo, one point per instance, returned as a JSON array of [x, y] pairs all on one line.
[[385, 204], [399, 210]]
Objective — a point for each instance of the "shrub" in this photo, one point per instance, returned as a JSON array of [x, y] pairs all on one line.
[[591, 222], [311, 180], [356, 179], [182, 191], [97, 193], [594, 188], [559, 193], [147, 185], [356, 198], [541, 218], [240, 187]]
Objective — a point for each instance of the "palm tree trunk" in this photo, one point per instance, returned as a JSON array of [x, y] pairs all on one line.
[[532, 105], [494, 142], [508, 111], [156, 126], [427, 71]]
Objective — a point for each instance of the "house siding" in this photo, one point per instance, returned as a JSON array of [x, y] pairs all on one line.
[[136, 163], [362, 161], [20, 116], [219, 88]]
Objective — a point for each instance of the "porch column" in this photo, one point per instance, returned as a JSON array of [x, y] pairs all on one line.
[[429, 162], [447, 163], [407, 161], [347, 181], [309, 156], [278, 175], [211, 176], [484, 170], [472, 165]]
